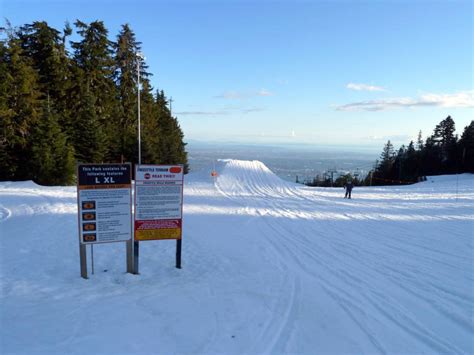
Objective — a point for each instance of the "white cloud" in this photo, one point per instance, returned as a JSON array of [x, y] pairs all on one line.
[[460, 99], [236, 95], [364, 87], [264, 92], [222, 112], [231, 95], [201, 113], [392, 138], [252, 109]]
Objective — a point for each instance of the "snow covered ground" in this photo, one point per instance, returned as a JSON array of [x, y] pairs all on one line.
[[268, 267]]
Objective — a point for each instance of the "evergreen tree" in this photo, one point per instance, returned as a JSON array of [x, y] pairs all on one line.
[[45, 47], [20, 107], [411, 169], [419, 142], [430, 158], [444, 132], [172, 146], [151, 134], [6, 114], [180, 154], [385, 165], [52, 157], [444, 139], [89, 138], [126, 60], [466, 149], [397, 172], [95, 91]]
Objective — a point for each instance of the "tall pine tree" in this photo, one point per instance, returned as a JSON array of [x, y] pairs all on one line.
[[126, 58], [96, 103], [385, 164], [53, 160], [466, 149], [20, 108], [89, 138], [445, 140], [45, 46], [151, 133], [172, 146]]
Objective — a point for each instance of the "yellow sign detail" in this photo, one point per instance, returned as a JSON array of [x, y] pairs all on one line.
[[154, 234]]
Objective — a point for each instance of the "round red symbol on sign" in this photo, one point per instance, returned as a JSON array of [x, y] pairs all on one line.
[[175, 169], [147, 176]]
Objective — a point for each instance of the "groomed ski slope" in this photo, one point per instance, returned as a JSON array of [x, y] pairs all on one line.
[[268, 267]]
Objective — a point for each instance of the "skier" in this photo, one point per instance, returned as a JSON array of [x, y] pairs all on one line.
[[348, 186]]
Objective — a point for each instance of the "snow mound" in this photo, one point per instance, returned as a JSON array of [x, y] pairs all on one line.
[[248, 178]]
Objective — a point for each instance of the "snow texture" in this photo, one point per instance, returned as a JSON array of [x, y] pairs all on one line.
[[268, 267]]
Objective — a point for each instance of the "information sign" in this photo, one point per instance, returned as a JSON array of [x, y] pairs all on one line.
[[158, 202], [104, 193]]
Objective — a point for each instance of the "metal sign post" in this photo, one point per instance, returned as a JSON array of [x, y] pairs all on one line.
[[178, 253], [92, 258], [135, 247], [129, 247], [136, 257], [83, 260]]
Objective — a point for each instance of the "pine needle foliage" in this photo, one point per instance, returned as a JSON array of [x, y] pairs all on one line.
[[63, 102]]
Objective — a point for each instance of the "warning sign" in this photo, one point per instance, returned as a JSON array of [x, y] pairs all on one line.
[[158, 202], [104, 193], [161, 229]]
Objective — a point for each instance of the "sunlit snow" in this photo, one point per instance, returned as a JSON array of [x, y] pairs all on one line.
[[268, 267]]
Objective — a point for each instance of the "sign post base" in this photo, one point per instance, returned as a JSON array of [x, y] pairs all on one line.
[[178, 253], [129, 247], [83, 259], [136, 253]]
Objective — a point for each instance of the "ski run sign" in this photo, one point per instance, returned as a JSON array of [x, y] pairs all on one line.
[[158, 202], [104, 196]]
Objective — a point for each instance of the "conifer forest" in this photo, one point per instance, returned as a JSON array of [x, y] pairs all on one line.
[[443, 152], [64, 102]]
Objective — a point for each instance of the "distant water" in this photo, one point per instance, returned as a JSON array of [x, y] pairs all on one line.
[[285, 162]]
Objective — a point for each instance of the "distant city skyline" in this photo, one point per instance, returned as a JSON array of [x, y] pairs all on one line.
[[353, 73]]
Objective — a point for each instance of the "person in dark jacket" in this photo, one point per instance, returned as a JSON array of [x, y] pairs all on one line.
[[348, 186]]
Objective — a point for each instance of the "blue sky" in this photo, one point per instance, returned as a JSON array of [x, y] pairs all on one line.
[[318, 72]]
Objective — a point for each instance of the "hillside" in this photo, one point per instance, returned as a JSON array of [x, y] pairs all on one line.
[[268, 267]]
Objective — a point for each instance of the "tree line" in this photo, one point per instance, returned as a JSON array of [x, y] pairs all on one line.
[[64, 102], [444, 152]]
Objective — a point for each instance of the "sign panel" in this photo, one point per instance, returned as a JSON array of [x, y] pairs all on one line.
[[158, 202], [104, 194]]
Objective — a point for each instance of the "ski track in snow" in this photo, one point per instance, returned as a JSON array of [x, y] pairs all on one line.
[[269, 267], [4, 213], [343, 271]]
